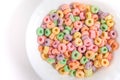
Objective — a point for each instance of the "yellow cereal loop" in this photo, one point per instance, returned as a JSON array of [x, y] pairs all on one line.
[[77, 35], [62, 71], [98, 41], [46, 49], [44, 56], [78, 42], [65, 41], [58, 66], [110, 23], [60, 13], [55, 30], [88, 15], [104, 62]]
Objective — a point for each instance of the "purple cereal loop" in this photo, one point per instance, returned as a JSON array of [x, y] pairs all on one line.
[[60, 21], [109, 47], [68, 37], [102, 14], [47, 42], [88, 65], [85, 37], [94, 68], [53, 17], [60, 57]]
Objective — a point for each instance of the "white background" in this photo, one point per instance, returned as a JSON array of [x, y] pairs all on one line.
[[14, 17]]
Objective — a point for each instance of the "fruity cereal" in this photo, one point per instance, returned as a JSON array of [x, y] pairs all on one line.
[[77, 39]]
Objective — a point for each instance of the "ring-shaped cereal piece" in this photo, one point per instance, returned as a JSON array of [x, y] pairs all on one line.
[[78, 42], [68, 21], [50, 25], [80, 74], [89, 54], [55, 30], [77, 35], [114, 46], [41, 39], [60, 13], [82, 49], [46, 19], [104, 62], [62, 47], [70, 47], [98, 41], [89, 22], [62, 71]]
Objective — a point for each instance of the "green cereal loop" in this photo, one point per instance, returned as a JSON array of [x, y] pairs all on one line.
[[66, 68], [64, 61], [52, 11], [77, 18], [55, 22], [50, 60], [72, 18], [84, 60], [68, 28], [60, 36], [72, 72], [47, 32], [104, 27], [40, 31], [103, 21], [104, 50], [75, 54], [66, 32], [94, 9], [88, 73]]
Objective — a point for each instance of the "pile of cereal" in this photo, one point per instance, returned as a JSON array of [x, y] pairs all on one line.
[[77, 39]]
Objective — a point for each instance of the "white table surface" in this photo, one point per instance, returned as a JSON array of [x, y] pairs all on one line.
[[14, 17]]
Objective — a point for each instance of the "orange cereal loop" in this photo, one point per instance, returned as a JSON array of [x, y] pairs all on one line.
[[106, 55], [99, 56], [89, 54], [68, 21], [57, 66], [40, 48], [110, 41], [110, 57], [104, 62], [110, 28], [95, 17], [80, 67], [74, 65], [104, 35], [85, 28], [67, 54], [67, 11], [114, 45], [52, 36], [82, 7], [76, 5], [50, 25], [97, 64], [80, 74]]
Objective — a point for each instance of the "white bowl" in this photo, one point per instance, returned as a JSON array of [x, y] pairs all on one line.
[[45, 70]]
